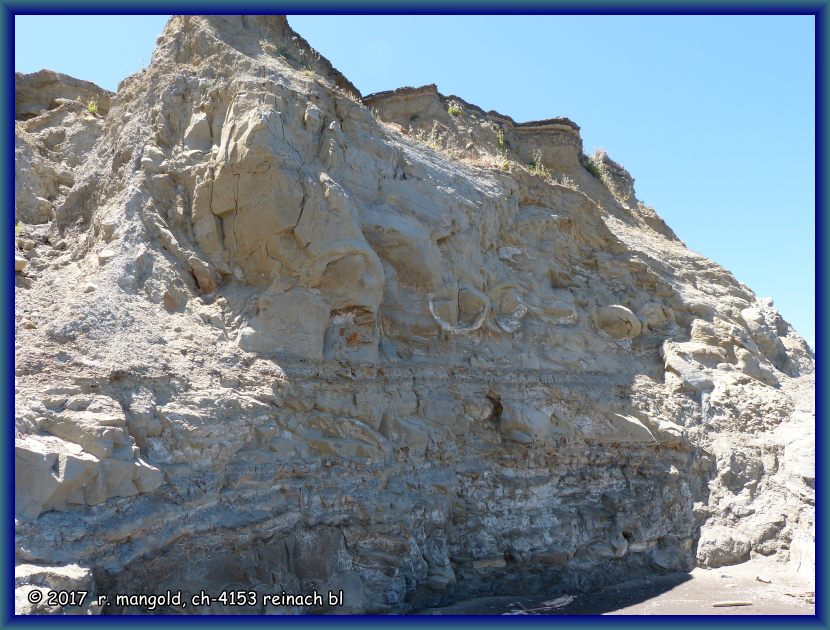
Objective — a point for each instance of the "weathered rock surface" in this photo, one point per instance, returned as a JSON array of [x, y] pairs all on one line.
[[42, 91], [54, 132], [86, 457], [76, 585], [273, 337]]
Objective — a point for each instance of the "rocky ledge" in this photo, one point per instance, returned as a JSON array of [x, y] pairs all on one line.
[[272, 336]]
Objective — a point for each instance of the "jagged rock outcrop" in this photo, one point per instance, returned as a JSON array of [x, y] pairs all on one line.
[[57, 121], [291, 339]]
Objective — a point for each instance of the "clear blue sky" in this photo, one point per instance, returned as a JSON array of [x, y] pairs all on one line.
[[713, 116]]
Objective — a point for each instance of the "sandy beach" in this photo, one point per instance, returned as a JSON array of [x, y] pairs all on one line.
[[761, 588]]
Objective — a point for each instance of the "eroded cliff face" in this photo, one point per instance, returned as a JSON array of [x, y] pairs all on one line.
[[273, 336]]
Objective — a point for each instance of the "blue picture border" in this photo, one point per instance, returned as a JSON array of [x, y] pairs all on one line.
[[33, 7]]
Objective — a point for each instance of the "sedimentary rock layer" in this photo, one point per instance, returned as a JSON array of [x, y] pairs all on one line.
[[272, 336]]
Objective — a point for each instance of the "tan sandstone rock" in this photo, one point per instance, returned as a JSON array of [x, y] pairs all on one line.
[[275, 335]]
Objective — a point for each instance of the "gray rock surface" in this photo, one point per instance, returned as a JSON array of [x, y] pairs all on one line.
[[272, 336]]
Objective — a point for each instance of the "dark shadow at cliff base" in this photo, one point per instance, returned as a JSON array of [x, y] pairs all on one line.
[[606, 600]]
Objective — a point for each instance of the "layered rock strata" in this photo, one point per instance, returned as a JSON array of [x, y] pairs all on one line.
[[273, 336]]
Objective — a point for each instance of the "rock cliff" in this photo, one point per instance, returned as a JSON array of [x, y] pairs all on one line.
[[274, 335]]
